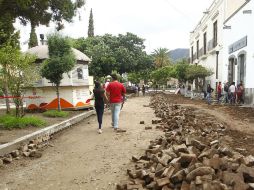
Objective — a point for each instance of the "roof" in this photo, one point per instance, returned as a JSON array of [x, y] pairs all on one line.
[[42, 53]]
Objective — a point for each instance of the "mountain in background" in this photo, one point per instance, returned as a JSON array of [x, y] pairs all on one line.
[[179, 53]]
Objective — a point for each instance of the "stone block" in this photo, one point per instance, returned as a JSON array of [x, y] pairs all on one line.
[[199, 145], [178, 177], [168, 172], [200, 171], [180, 148], [15, 153], [162, 182]]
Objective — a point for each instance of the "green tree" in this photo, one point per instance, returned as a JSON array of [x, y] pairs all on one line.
[[33, 41], [162, 75], [123, 53], [197, 73], [91, 25], [39, 12], [61, 60], [180, 71], [18, 72], [161, 57]]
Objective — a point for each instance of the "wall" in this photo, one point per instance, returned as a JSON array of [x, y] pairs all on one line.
[[215, 13], [241, 25], [231, 6], [71, 79]]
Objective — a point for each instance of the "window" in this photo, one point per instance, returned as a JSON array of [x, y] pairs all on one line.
[[204, 42], [215, 34], [192, 58], [197, 49], [80, 73]]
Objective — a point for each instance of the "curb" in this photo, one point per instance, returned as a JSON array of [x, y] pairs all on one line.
[[9, 147]]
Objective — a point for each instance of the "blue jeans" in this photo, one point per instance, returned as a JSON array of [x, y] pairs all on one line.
[[115, 112], [208, 97]]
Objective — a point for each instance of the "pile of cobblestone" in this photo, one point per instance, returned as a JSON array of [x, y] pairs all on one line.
[[190, 156], [30, 149]]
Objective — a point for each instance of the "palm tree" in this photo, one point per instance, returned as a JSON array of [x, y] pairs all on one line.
[[161, 57]]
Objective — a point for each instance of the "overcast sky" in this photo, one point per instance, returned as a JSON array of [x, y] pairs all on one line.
[[162, 23]]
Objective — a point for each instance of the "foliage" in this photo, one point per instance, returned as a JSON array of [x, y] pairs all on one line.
[[33, 41], [91, 26], [37, 12], [61, 60], [161, 57], [162, 75], [123, 53], [197, 71], [18, 73], [9, 122], [54, 113], [180, 70]]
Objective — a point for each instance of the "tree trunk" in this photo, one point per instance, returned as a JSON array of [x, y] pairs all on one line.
[[58, 97], [7, 101]]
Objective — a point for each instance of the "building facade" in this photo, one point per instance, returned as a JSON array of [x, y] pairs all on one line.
[[206, 42], [223, 42], [239, 46], [74, 88]]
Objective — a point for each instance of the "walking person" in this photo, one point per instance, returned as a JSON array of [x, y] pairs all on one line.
[[219, 91], [232, 92], [209, 91], [242, 93], [116, 93], [226, 87], [100, 98], [143, 90]]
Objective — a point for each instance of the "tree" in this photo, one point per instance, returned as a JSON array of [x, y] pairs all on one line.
[[39, 12], [180, 71], [196, 73], [33, 41], [162, 75], [17, 73], [91, 26], [161, 57], [61, 60], [123, 53]]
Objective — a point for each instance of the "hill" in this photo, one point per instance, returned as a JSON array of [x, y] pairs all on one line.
[[179, 53]]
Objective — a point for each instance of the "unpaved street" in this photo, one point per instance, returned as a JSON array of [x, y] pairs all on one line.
[[82, 159]]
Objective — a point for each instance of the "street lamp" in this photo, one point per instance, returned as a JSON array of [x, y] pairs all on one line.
[[217, 64]]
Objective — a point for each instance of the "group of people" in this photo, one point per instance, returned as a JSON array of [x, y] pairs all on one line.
[[233, 94], [137, 90], [112, 93]]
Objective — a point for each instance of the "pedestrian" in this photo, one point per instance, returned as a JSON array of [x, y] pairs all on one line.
[[242, 92], [209, 91], [219, 90], [116, 93], [143, 90], [226, 88], [232, 92], [100, 99]]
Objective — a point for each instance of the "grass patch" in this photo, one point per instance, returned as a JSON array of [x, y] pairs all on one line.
[[55, 113], [9, 122]]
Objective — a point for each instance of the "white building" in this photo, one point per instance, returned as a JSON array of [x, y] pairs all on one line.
[[223, 41], [239, 45], [74, 87], [206, 42]]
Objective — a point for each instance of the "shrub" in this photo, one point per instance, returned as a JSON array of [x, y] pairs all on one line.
[[55, 113], [9, 122]]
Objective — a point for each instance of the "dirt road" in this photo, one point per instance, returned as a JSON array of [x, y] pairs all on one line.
[[82, 159]]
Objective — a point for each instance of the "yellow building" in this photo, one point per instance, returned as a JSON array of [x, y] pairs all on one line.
[[74, 87]]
